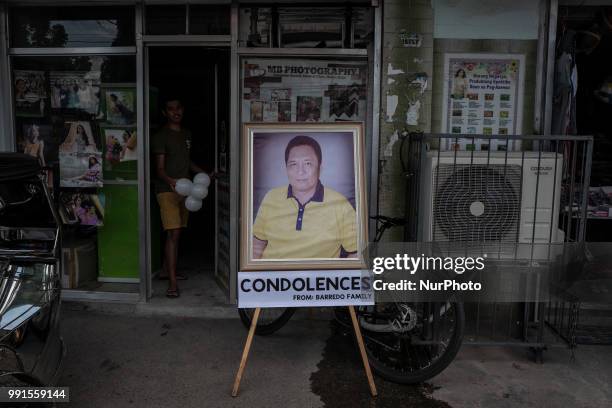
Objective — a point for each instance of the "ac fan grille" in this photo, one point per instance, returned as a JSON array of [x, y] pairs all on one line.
[[476, 203]]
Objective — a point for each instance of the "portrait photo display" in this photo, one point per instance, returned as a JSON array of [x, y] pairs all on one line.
[[303, 195]]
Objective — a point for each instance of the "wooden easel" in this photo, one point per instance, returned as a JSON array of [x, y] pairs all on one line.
[[249, 341]]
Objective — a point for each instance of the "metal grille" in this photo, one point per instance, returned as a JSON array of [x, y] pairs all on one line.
[[476, 203]]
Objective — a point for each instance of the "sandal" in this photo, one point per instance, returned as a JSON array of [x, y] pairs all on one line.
[[172, 293]]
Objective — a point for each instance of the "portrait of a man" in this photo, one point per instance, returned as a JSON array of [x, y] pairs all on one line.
[[304, 219], [304, 197]]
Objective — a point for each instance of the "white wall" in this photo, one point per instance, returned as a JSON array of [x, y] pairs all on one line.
[[486, 19]]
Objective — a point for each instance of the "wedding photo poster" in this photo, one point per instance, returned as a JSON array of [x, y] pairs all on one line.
[[29, 88]]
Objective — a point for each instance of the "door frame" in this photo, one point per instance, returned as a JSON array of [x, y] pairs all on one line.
[[143, 93]]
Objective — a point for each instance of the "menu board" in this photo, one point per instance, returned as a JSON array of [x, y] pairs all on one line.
[[483, 95]]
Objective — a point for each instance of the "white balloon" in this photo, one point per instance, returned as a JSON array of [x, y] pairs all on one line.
[[183, 186], [193, 204], [199, 191], [202, 178]]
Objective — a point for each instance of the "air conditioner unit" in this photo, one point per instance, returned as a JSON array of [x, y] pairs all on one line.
[[491, 197]]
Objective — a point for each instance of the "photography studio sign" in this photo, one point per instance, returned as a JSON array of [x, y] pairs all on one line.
[[286, 90]]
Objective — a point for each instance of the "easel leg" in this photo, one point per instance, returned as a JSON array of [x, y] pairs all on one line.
[[245, 352], [364, 356]]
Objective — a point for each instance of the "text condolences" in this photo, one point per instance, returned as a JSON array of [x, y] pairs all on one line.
[[305, 288], [308, 284]]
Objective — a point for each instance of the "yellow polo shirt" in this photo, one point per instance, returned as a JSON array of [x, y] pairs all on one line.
[[318, 229]]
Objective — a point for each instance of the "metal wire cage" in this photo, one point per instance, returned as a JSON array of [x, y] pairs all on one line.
[[511, 192]]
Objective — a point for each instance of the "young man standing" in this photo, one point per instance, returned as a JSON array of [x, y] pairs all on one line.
[[171, 146]]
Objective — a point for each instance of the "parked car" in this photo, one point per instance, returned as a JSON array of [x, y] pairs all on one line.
[[31, 347]]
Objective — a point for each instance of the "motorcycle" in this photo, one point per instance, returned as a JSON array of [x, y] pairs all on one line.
[[406, 343], [31, 347]]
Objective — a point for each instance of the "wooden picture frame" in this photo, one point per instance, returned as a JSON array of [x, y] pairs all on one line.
[[265, 182]]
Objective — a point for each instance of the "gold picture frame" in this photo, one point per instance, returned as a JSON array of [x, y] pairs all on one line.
[[340, 177]]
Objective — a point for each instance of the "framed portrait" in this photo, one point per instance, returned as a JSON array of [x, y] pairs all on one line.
[[120, 152], [303, 196], [81, 208], [37, 141], [29, 89], [77, 90], [118, 105], [80, 158], [119, 144]]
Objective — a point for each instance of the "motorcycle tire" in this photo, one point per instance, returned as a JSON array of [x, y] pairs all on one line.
[[265, 326], [421, 375]]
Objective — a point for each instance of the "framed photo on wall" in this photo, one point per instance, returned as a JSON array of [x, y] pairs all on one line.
[[118, 105], [303, 196], [30, 91]]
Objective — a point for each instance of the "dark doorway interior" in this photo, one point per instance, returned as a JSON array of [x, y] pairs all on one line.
[[191, 73]]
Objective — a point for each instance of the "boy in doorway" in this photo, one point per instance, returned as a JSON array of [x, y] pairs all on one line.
[[170, 147]]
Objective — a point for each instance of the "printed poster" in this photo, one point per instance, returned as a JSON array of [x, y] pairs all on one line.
[[483, 95], [120, 145], [81, 208], [29, 88], [289, 90], [79, 156], [75, 90]]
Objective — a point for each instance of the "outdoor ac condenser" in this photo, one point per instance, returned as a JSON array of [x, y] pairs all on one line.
[[490, 197]]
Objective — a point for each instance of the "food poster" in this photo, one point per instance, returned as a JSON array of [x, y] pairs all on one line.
[[290, 90], [483, 95]]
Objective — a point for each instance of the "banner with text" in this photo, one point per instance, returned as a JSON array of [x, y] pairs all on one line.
[[483, 95], [315, 288]]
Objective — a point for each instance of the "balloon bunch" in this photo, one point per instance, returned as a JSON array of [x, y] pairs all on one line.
[[195, 191]]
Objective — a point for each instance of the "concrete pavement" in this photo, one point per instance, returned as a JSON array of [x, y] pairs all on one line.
[[131, 360]]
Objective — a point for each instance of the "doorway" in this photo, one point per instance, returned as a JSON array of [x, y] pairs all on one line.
[[199, 77]]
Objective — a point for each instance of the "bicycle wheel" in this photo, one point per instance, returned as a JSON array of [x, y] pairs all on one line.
[[423, 339], [270, 319]]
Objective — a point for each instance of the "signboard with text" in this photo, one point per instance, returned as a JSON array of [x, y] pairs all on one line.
[[483, 94], [314, 288]]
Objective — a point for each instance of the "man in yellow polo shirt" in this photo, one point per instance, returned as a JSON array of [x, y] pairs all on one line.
[[304, 219]]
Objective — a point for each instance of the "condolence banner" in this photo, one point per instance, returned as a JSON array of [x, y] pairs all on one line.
[[315, 288]]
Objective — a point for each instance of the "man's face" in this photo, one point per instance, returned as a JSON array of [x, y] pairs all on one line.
[[302, 168], [174, 111]]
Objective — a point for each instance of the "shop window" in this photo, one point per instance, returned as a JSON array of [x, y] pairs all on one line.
[[306, 27], [209, 20], [166, 20], [77, 114], [312, 28], [362, 26], [255, 26], [303, 90], [72, 26]]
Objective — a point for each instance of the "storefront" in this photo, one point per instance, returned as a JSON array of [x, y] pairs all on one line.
[[81, 83], [81, 90]]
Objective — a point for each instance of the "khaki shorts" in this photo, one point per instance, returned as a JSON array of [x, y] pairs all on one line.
[[172, 209]]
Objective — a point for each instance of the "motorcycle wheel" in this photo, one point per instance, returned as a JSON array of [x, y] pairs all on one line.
[[422, 353], [270, 319]]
